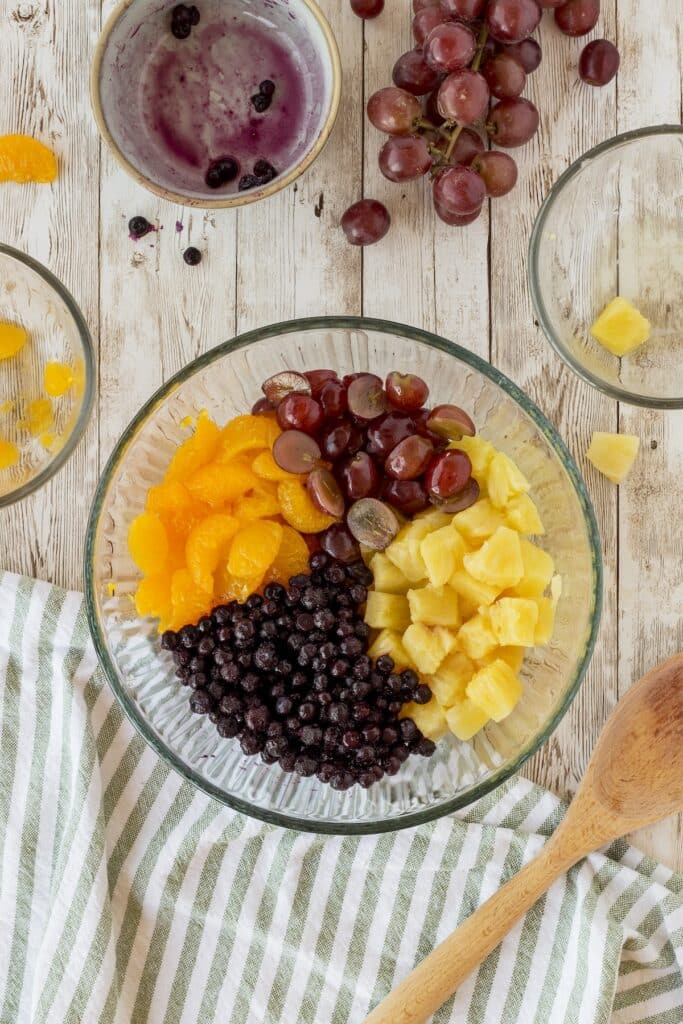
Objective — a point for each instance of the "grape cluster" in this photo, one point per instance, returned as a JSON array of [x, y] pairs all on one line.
[[369, 449], [460, 88]]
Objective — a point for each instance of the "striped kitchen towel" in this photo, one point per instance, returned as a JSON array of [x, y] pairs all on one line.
[[127, 896]]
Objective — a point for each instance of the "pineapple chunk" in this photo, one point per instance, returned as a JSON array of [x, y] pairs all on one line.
[[496, 690], [449, 682], [404, 551], [613, 454], [546, 621], [435, 606], [480, 453], [513, 620], [476, 638], [505, 481], [465, 719], [522, 515], [621, 327], [388, 579], [442, 553], [512, 656], [538, 571], [472, 593], [478, 522], [499, 561], [429, 718], [387, 611], [435, 518], [390, 642], [427, 647]]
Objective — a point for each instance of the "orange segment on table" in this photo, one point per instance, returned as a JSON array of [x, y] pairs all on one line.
[[23, 159]]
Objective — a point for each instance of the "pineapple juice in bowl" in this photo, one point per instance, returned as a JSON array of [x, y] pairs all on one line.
[[142, 672]]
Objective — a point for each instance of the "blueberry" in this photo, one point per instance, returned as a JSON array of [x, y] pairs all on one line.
[[311, 735], [252, 744], [426, 748], [200, 702], [257, 719], [305, 765], [228, 727], [385, 664], [192, 256], [265, 172], [422, 694], [268, 88], [181, 29], [261, 102], [248, 181], [222, 171]]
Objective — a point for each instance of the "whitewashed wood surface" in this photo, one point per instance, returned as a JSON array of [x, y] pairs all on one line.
[[150, 314]]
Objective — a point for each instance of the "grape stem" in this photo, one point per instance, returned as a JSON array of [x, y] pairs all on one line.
[[422, 122], [481, 44]]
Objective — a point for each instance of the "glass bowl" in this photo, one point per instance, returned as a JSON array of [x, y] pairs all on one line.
[[135, 31], [611, 226], [226, 382], [45, 434]]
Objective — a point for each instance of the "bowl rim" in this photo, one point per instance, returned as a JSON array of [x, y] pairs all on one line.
[[409, 334], [233, 200], [75, 436], [540, 308]]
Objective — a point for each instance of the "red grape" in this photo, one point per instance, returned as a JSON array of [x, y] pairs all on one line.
[[408, 496], [510, 21], [412, 73], [366, 397], [282, 384], [384, 435], [403, 158], [463, 96], [468, 143], [335, 442], [325, 493], [425, 21], [459, 220], [498, 172], [467, 497], [373, 523], [460, 191], [406, 391], [262, 408], [393, 110], [449, 47], [577, 17], [468, 10], [296, 452], [419, 5], [316, 378], [599, 62], [299, 412], [528, 53], [448, 473], [339, 543], [451, 421], [513, 122], [366, 222], [410, 458], [504, 75], [367, 8], [359, 476], [332, 398]]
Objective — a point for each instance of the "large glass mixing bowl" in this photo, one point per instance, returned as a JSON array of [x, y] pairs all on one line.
[[226, 382]]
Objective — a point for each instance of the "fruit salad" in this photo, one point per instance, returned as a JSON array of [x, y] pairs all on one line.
[[344, 574]]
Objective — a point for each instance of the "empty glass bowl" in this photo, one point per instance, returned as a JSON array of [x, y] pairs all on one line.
[[43, 431], [226, 382], [612, 226]]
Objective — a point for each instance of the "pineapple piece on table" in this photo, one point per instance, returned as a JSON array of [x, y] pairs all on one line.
[[388, 641], [449, 682], [476, 637], [496, 690], [465, 719], [473, 594], [442, 552], [478, 522], [613, 454], [499, 561], [480, 453], [512, 656], [522, 515], [621, 327], [538, 571], [387, 611], [388, 579], [514, 620], [505, 480], [546, 621], [427, 647], [429, 718], [435, 606]]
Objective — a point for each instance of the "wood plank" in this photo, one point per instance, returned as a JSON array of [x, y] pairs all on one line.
[[44, 84]]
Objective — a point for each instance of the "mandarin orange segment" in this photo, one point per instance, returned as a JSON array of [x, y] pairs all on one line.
[[265, 467], [153, 596], [238, 589], [292, 558], [39, 418], [247, 433], [207, 541], [25, 159], [168, 498], [254, 549], [217, 484], [298, 509], [58, 379], [259, 505], [12, 340], [9, 454], [148, 543], [197, 451], [188, 601]]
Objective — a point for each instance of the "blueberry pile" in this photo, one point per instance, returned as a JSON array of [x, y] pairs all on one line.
[[183, 20], [289, 676], [261, 100], [263, 173], [222, 171]]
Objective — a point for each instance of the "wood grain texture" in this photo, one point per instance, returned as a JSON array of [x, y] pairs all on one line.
[[150, 314]]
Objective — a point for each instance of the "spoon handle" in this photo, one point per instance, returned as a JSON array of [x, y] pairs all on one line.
[[438, 976]]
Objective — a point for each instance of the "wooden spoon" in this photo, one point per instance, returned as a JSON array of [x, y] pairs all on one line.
[[634, 778]]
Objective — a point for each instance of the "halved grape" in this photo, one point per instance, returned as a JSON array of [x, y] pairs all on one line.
[[510, 21], [373, 523], [425, 21], [404, 157], [333, 400], [262, 408], [411, 72], [449, 47], [282, 384], [467, 497], [358, 476], [367, 8], [577, 17], [406, 391], [505, 76], [296, 452], [513, 122], [528, 53], [452, 422], [410, 458], [407, 496], [299, 412], [498, 172], [316, 378], [459, 190], [447, 475], [365, 222], [340, 544], [366, 397], [335, 442], [463, 96], [383, 436], [599, 62], [468, 10], [393, 110], [325, 492]]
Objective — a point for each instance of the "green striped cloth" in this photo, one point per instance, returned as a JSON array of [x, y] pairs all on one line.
[[127, 896]]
